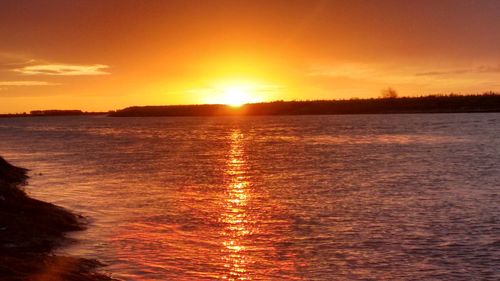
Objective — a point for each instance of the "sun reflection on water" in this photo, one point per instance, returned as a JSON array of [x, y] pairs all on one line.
[[235, 217]]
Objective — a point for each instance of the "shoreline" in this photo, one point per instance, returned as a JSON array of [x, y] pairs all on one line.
[[453, 103], [488, 102], [30, 231]]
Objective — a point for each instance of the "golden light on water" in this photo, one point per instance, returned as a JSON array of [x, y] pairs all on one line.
[[234, 231], [235, 217]]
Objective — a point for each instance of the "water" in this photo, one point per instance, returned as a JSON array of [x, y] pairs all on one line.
[[369, 197]]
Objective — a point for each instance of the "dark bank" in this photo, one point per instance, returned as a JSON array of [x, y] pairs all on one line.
[[30, 230]]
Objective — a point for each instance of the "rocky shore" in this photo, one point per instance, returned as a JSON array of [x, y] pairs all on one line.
[[30, 230]]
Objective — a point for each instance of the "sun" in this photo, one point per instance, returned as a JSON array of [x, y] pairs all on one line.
[[236, 95]]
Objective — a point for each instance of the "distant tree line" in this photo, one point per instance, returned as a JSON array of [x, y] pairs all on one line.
[[52, 112], [55, 112], [390, 103]]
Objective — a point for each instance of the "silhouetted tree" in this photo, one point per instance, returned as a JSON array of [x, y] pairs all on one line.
[[389, 93]]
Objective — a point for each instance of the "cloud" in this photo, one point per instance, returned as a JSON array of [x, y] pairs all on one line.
[[421, 77], [26, 83], [11, 61], [388, 72], [342, 70], [489, 69], [63, 69], [446, 72], [480, 69]]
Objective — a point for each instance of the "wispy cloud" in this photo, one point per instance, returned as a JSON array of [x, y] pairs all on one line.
[[440, 73], [63, 69], [383, 72], [489, 69], [342, 70], [26, 83], [408, 79], [479, 69]]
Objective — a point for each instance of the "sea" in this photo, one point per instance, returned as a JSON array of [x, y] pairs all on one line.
[[327, 197]]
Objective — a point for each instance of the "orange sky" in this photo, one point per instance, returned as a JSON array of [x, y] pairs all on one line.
[[101, 55]]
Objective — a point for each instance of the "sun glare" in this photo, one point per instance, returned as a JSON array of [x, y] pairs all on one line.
[[234, 93], [236, 96]]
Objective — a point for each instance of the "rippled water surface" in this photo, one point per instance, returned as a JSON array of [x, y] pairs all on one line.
[[373, 197]]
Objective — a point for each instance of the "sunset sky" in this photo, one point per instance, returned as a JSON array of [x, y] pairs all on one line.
[[102, 55]]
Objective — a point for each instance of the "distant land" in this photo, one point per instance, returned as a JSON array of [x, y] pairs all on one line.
[[52, 112], [452, 103], [488, 102]]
